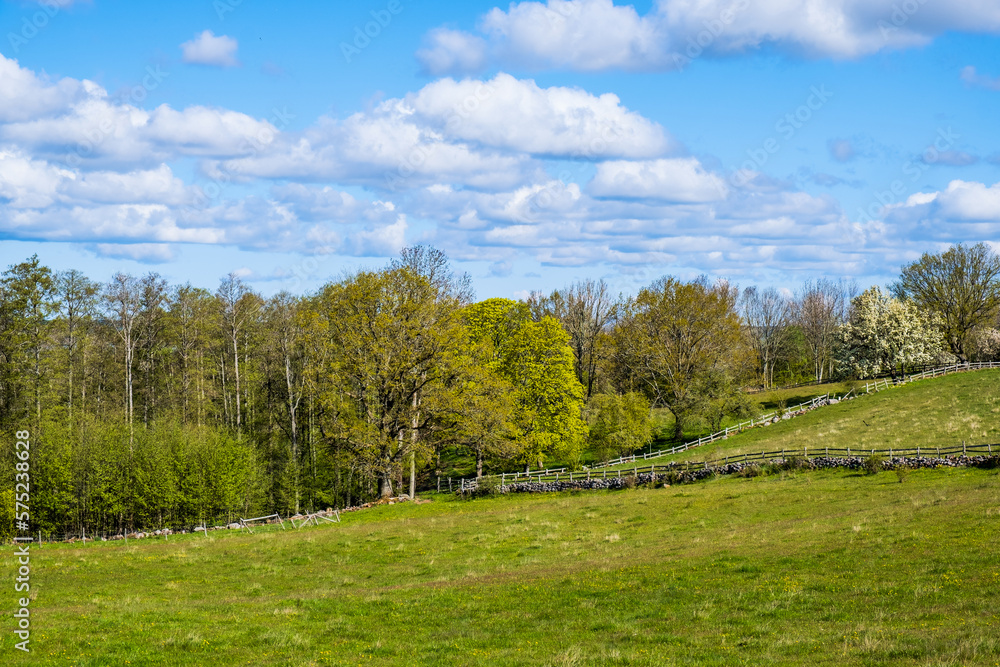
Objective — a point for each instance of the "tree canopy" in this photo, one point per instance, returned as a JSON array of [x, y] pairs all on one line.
[[961, 284]]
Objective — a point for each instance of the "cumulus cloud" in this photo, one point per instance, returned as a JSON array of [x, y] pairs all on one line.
[[593, 35], [483, 134], [24, 95], [518, 115], [680, 180], [207, 49], [76, 123], [964, 210]]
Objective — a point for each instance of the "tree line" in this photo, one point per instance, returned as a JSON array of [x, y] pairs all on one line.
[[152, 404]]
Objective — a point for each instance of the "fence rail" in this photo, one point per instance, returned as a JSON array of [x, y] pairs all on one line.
[[780, 454]]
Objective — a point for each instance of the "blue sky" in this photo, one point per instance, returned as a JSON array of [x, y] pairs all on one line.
[[763, 141]]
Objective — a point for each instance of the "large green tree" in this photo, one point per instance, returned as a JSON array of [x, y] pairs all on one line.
[[961, 284], [390, 338], [671, 336], [535, 358]]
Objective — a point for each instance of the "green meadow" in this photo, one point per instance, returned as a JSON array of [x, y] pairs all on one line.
[[794, 568]]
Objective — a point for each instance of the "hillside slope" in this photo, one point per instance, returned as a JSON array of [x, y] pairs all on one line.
[[930, 413]]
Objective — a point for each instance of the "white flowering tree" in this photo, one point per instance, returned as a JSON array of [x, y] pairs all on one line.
[[884, 334]]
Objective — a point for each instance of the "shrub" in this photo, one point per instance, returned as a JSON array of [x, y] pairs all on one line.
[[872, 465], [489, 485], [902, 472], [629, 481], [794, 462], [751, 470]]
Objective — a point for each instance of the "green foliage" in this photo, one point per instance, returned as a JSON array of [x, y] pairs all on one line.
[[535, 358], [619, 425], [721, 397], [671, 336], [960, 285], [873, 464]]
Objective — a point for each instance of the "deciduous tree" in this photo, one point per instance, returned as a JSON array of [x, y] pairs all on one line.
[[962, 285], [670, 336]]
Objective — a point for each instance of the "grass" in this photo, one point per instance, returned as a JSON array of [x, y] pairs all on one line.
[[929, 413], [797, 569], [804, 568]]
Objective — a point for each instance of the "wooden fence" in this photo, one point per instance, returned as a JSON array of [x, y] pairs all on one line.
[[782, 454]]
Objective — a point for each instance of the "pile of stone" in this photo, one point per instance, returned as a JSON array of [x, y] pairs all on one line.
[[680, 474]]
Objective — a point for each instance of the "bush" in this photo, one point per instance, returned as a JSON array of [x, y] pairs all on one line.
[[872, 465], [630, 481], [795, 463], [751, 470], [489, 485], [902, 472]]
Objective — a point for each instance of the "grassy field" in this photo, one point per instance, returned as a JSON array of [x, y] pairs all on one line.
[[806, 568], [798, 569], [935, 412]]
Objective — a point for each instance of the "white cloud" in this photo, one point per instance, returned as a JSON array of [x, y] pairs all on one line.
[[518, 115], [592, 35], [76, 123], [387, 149], [452, 51], [970, 76], [678, 180], [207, 49], [964, 200], [25, 95]]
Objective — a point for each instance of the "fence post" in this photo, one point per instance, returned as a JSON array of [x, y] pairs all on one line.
[[963, 448], [449, 485]]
